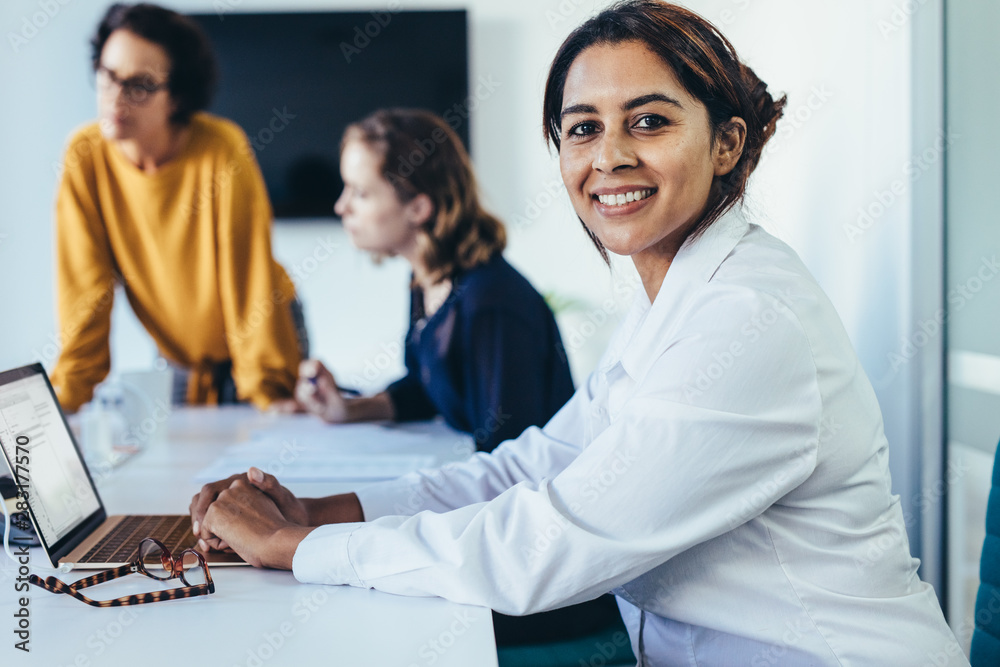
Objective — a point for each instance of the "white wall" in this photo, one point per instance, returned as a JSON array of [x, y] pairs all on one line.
[[843, 145]]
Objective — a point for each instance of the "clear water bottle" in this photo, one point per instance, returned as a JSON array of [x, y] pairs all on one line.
[[103, 427], [95, 434], [118, 425]]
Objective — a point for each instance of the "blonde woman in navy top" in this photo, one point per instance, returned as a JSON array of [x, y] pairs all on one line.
[[482, 350]]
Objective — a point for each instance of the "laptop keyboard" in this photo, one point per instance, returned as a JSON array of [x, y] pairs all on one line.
[[122, 543]]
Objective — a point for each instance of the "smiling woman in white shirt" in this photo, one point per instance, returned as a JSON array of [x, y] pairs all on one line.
[[724, 471]]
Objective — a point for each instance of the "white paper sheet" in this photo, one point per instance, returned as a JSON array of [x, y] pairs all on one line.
[[306, 450], [318, 469]]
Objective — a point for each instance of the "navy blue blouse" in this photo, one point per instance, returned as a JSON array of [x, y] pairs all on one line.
[[489, 360]]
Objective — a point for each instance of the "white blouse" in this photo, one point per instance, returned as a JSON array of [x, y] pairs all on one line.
[[724, 472]]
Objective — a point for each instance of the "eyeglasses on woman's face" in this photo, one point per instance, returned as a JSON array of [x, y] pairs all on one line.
[[137, 89]]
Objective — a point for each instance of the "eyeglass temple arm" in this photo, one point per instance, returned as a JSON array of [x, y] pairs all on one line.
[[54, 585], [101, 577]]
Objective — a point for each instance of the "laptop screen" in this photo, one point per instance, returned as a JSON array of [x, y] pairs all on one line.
[[40, 452]]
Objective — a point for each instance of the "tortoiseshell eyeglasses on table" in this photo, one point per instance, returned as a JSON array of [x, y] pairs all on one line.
[[153, 560]]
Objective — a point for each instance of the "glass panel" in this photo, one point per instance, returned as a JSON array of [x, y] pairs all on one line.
[[969, 475]]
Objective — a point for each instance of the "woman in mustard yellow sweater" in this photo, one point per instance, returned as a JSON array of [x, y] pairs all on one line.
[[168, 201]]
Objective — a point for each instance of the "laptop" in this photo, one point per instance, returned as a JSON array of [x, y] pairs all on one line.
[[63, 503]]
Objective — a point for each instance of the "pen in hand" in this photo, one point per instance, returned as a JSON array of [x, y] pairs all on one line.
[[319, 393], [313, 379]]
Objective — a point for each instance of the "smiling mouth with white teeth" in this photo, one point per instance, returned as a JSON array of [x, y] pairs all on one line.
[[625, 197]]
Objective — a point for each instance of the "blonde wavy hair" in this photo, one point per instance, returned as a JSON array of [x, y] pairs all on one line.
[[421, 154]]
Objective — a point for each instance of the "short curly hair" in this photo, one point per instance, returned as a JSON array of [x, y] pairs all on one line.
[[193, 70], [460, 234]]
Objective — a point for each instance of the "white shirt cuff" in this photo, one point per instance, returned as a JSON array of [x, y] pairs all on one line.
[[323, 557], [395, 497]]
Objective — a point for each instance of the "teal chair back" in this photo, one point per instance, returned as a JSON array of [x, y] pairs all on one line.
[[986, 636]]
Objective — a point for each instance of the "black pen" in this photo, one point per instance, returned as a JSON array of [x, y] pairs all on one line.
[[347, 391]]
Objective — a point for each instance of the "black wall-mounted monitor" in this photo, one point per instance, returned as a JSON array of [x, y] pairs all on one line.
[[293, 81]]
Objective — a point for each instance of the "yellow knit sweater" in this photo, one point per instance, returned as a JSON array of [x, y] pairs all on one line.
[[191, 244]]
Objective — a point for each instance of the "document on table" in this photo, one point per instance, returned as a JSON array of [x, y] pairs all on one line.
[[307, 451]]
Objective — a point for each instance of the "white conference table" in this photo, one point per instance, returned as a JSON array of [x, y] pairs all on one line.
[[256, 617]]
